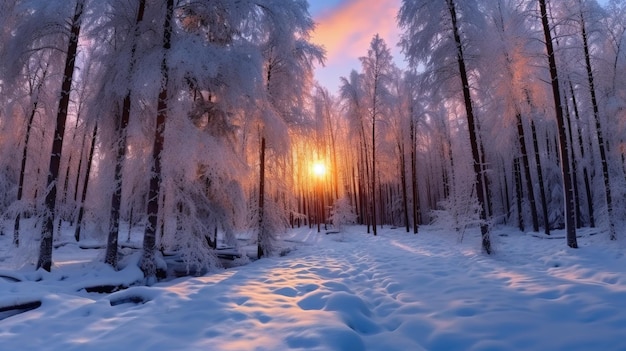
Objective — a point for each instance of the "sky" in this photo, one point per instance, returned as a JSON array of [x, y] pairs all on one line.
[[345, 28]]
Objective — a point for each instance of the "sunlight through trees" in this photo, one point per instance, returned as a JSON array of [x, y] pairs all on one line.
[[196, 121]]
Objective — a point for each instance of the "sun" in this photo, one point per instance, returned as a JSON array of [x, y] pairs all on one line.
[[319, 169]]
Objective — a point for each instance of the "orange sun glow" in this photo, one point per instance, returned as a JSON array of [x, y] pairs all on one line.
[[319, 169]]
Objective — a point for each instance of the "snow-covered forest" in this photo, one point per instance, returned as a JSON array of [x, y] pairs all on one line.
[[198, 120], [153, 129]]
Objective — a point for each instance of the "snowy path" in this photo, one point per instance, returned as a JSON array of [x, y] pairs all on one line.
[[358, 292]]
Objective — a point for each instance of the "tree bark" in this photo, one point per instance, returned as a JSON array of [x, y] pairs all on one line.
[[261, 234], [414, 178], [83, 197], [29, 125], [471, 124], [529, 182], [120, 132], [599, 134], [563, 145], [586, 181], [574, 166], [405, 202], [373, 193], [45, 251], [517, 170], [148, 260]]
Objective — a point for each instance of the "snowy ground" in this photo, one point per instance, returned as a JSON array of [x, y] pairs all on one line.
[[347, 291]]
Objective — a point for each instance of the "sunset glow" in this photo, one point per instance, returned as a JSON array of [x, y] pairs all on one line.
[[345, 29], [319, 169]]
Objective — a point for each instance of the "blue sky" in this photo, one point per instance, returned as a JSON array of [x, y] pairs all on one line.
[[318, 6], [345, 28]]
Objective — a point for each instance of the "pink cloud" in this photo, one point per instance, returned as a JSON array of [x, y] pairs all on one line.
[[347, 31]]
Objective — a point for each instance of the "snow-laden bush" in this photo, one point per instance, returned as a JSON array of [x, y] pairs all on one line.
[[342, 213], [457, 213], [275, 222]]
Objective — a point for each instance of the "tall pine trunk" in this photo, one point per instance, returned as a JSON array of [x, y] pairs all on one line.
[[366, 180], [261, 239], [414, 177], [148, 259], [80, 165], [517, 170], [373, 193], [45, 251], [568, 118], [471, 126], [83, 196], [570, 214], [405, 202], [599, 134], [529, 182], [581, 146], [29, 125], [120, 132], [542, 188]]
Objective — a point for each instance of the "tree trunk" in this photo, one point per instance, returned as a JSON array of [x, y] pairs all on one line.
[[517, 170], [120, 132], [20, 186], [507, 199], [354, 195], [373, 192], [148, 260], [471, 124], [414, 178], [45, 251], [574, 167], [261, 234], [589, 197], [366, 181], [66, 180], [483, 171], [405, 204], [331, 133], [83, 197], [529, 182], [599, 134], [563, 145], [80, 165], [542, 188]]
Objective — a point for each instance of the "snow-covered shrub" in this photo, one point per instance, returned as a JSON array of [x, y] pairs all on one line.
[[342, 213], [275, 222], [457, 213]]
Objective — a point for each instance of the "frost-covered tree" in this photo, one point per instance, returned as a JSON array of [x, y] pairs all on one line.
[[148, 260], [377, 74], [437, 35], [289, 60], [50, 24], [342, 213], [124, 50], [215, 64], [508, 51], [563, 141], [583, 7], [352, 95]]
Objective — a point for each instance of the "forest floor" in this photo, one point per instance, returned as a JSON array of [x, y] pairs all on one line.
[[343, 291]]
